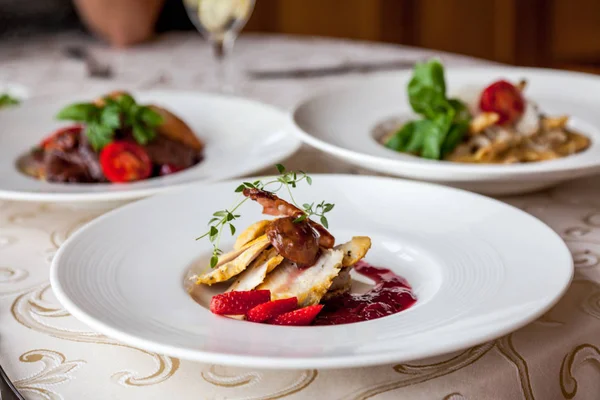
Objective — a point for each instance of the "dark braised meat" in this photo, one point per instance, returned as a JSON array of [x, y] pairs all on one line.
[[163, 150], [74, 161], [66, 167], [90, 158], [71, 159], [296, 241]]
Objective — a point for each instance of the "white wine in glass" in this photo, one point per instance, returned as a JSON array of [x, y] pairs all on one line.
[[220, 22]]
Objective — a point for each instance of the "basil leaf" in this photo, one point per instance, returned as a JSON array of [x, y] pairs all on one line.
[[445, 120], [430, 74], [402, 137], [110, 116], [108, 101], [435, 132], [120, 113], [99, 135], [427, 89], [421, 129], [142, 134], [459, 127], [423, 137], [461, 111], [125, 101], [149, 117], [433, 137], [428, 102], [454, 137], [82, 112], [130, 116]]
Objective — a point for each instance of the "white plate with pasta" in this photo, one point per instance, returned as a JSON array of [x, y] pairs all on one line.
[[496, 131]]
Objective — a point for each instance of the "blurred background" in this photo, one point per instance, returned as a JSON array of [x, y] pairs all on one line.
[[548, 33]]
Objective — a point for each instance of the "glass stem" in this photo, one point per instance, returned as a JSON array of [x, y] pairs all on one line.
[[222, 48]]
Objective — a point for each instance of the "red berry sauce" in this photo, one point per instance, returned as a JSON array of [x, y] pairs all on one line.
[[391, 294]]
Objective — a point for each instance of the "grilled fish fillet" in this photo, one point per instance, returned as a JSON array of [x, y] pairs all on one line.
[[252, 232], [255, 274], [307, 284], [341, 284], [354, 250], [226, 270]]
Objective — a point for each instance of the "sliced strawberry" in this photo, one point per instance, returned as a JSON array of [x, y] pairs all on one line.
[[303, 316], [272, 309], [238, 303]]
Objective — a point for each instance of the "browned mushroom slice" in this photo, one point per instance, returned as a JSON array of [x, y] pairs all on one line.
[[175, 129]]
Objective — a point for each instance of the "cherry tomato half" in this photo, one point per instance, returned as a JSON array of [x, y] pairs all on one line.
[[125, 162], [505, 99], [62, 139]]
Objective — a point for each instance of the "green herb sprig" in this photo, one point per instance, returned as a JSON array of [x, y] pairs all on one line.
[[6, 100], [102, 122], [445, 121], [223, 219], [319, 211]]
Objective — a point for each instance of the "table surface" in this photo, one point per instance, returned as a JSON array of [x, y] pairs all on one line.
[[50, 355]]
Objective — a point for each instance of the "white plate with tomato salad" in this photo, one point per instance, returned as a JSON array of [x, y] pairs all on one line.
[[419, 270], [495, 130], [118, 146]]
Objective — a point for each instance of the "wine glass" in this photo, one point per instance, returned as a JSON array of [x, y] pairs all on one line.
[[220, 22]]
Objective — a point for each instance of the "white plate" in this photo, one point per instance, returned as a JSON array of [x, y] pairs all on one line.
[[241, 136], [340, 123], [14, 89], [480, 269]]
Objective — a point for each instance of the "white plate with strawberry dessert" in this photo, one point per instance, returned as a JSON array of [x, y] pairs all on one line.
[[332, 271], [493, 130]]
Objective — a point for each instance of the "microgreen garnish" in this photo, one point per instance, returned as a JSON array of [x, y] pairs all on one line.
[[8, 100], [289, 180], [319, 211], [102, 121]]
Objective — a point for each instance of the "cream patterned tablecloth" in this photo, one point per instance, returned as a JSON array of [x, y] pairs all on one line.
[[50, 355]]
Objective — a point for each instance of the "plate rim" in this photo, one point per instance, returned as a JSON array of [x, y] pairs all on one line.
[[486, 172], [266, 362], [124, 195]]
